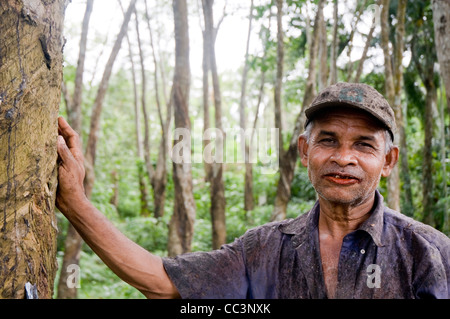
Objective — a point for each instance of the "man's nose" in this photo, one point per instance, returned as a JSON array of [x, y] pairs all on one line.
[[344, 156]]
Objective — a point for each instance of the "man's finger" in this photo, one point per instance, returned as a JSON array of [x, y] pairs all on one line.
[[72, 139], [63, 151]]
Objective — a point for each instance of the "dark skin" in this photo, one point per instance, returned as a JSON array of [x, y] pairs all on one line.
[[345, 159]]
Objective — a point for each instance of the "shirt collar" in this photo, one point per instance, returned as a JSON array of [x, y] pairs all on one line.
[[304, 225]]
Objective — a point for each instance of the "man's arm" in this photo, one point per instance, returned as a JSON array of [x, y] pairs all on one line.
[[129, 261]]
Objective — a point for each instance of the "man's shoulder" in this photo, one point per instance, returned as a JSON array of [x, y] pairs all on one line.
[[416, 230], [271, 234]]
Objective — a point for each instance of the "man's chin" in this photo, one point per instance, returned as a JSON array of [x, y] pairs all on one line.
[[337, 197]]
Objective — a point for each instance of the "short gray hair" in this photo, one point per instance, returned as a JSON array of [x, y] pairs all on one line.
[[389, 143]]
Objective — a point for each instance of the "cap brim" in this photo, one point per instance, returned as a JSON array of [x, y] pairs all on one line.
[[313, 110]]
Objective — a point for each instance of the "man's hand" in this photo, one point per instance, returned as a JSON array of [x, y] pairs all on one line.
[[71, 168]]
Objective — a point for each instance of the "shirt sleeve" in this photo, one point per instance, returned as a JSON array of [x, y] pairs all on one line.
[[433, 272], [218, 274]]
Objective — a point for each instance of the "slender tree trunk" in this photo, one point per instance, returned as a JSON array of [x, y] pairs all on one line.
[[206, 116], [147, 159], [181, 227], [72, 255], [31, 43], [289, 159], [159, 180], [441, 19], [75, 115], [393, 181], [248, 177], [364, 54], [334, 47], [443, 154], [217, 184], [358, 14], [279, 77], [137, 124], [323, 54], [401, 172], [427, 178]]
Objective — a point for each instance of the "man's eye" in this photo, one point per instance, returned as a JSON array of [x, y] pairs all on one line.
[[365, 145], [326, 141]]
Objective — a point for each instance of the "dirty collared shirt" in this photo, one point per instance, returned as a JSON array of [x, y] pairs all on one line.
[[388, 256]]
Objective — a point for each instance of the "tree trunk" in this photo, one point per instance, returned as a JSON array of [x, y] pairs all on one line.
[[147, 159], [335, 44], [206, 115], [427, 166], [137, 121], [441, 19], [393, 181], [72, 253], [289, 158], [323, 54], [358, 14], [159, 179], [401, 172], [31, 44], [279, 77], [74, 116], [364, 54], [181, 227], [217, 184], [248, 177]]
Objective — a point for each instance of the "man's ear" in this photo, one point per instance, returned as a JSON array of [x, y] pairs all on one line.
[[391, 160], [303, 150]]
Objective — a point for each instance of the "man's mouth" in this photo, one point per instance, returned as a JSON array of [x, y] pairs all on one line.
[[342, 179]]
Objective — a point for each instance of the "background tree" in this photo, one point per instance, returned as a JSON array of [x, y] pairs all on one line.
[[31, 59], [181, 226]]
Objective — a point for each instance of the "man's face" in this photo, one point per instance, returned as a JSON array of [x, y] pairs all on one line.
[[346, 156]]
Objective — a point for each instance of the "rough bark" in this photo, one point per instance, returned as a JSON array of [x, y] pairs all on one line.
[[72, 253], [181, 227], [441, 19], [289, 158], [31, 45]]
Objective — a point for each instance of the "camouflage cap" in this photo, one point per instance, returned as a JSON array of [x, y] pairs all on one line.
[[357, 95]]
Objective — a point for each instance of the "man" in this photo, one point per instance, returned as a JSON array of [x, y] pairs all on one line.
[[348, 246]]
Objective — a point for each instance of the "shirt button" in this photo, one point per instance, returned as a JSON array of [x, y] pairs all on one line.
[[362, 251]]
